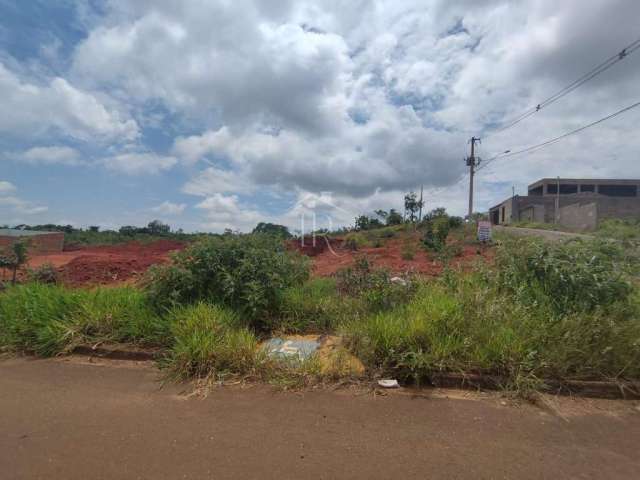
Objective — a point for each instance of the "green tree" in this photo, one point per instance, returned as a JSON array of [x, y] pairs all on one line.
[[272, 229], [15, 259], [412, 206], [156, 227], [394, 217]]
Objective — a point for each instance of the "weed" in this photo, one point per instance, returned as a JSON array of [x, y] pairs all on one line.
[[373, 285], [314, 307], [436, 232], [408, 251], [45, 273], [247, 273], [50, 319], [208, 339]]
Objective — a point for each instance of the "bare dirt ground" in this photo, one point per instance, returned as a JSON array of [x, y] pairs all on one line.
[[103, 265], [75, 419], [327, 261]]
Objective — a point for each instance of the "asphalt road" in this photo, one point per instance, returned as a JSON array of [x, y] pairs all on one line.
[[71, 419]]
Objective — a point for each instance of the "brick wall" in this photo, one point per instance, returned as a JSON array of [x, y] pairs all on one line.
[[37, 244]]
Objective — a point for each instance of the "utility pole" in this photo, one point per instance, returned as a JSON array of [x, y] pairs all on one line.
[[420, 216], [557, 212], [472, 163]]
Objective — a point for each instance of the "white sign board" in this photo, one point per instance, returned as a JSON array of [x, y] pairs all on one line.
[[484, 231]]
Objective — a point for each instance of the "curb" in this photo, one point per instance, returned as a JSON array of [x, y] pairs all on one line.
[[116, 352], [628, 390], [583, 388]]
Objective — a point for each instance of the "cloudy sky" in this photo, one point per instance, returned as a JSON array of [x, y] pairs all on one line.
[[213, 114]]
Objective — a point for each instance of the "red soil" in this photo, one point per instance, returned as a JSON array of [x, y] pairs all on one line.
[[390, 256], [107, 264]]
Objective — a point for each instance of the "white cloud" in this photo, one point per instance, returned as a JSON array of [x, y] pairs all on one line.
[[30, 109], [226, 211], [6, 187], [169, 208], [10, 204], [139, 163], [220, 56], [50, 156]]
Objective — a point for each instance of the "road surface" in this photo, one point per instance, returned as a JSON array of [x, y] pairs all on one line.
[[73, 419]]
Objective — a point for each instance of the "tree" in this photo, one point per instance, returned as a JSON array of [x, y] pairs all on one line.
[[412, 205], [364, 222], [156, 227], [94, 229], [394, 217], [15, 259], [272, 229]]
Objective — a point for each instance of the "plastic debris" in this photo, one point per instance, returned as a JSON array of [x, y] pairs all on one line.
[[389, 383]]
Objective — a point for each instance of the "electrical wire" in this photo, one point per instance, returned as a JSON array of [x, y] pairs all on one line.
[[608, 63], [556, 139]]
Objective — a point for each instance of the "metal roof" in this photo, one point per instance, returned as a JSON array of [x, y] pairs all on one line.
[[13, 232]]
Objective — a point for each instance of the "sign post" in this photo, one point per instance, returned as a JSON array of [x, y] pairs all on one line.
[[484, 231]]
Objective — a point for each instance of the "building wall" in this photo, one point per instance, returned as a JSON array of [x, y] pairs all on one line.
[[579, 216], [582, 211], [37, 244]]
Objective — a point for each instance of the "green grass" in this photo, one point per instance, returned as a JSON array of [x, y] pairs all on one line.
[[563, 313], [50, 319], [208, 340], [315, 307], [625, 230]]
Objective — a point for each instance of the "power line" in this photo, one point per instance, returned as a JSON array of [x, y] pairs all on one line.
[[556, 139], [608, 63]]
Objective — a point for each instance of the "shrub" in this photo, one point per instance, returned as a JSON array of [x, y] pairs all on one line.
[[374, 286], [573, 276], [408, 251], [208, 340], [245, 272], [468, 323], [355, 241], [45, 273], [314, 307], [436, 232]]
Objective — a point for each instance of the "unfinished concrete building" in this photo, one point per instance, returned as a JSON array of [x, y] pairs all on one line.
[[577, 204]]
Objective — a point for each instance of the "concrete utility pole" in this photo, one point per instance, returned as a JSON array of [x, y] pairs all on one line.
[[421, 202], [557, 212], [472, 163]]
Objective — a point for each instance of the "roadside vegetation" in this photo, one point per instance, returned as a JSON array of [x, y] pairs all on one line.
[[538, 311]]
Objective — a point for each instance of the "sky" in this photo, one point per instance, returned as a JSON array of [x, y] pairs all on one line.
[[210, 114]]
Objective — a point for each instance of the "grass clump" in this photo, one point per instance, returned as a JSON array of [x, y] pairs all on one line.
[[50, 319], [550, 311], [619, 229], [355, 241], [315, 307], [373, 286], [209, 340]]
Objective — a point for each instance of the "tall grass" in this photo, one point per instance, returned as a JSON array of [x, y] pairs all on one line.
[[50, 319], [208, 339], [579, 318], [315, 307]]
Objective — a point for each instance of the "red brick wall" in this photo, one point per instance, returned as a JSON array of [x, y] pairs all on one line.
[[37, 244]]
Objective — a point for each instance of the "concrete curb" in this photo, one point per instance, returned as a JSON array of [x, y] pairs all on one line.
[[582, 388], [463, 381], [118, 352]]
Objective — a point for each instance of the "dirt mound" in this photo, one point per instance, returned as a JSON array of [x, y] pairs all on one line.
[[116, 263], [313, 247], [389, 256]]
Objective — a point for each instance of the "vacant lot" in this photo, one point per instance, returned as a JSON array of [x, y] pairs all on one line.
[[72, 420], [104, 265]]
